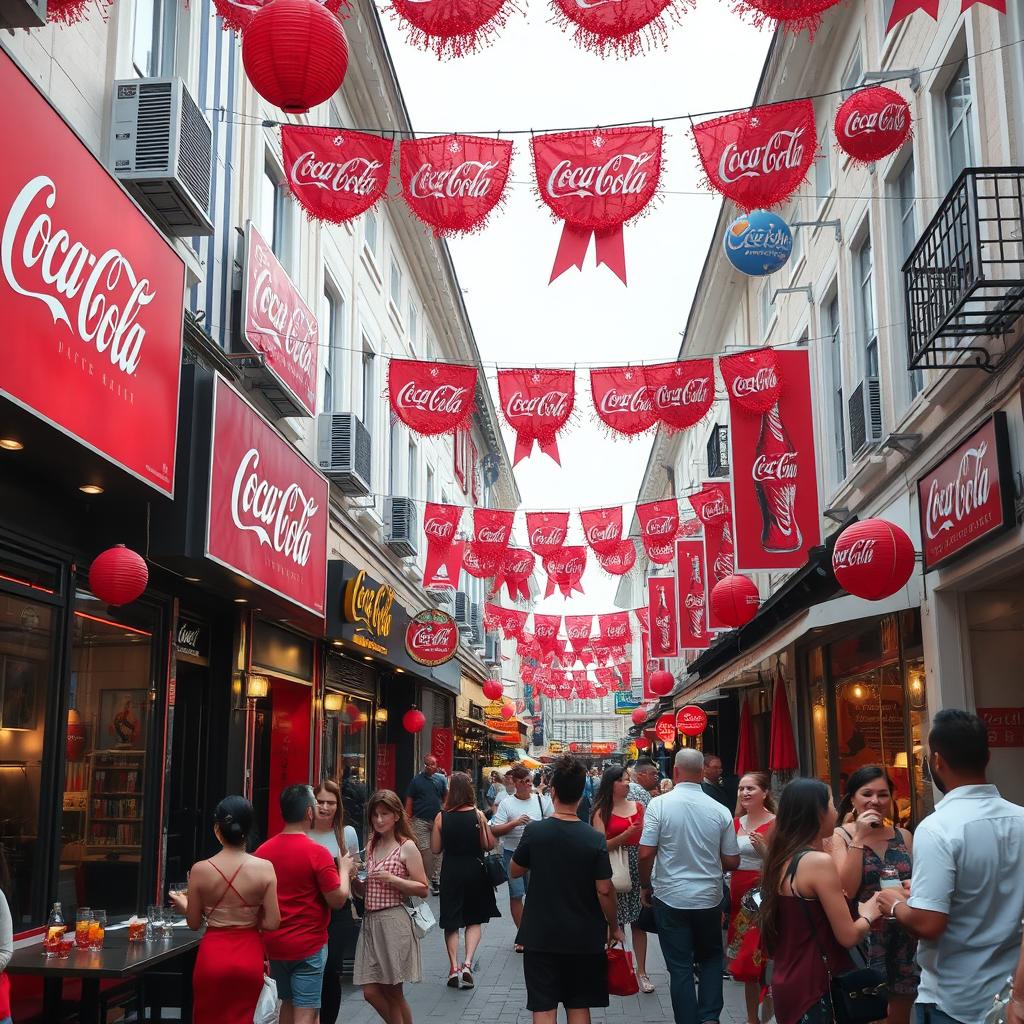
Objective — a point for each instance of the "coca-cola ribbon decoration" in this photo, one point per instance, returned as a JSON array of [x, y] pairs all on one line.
[[511, 621], [492, 529], [432, 398], [620, 561], [613, 629], [622, 399], [872, 123], [681, 392], [453, 182], [515, 568], [536, 404], [236, 14], [480, 563], [452, 28], [597, 181], [659, 524], [622, 28], [565, 570], [577, 630], [440, 524], [602, 529], [545, 631], [758, 157], [546, 531], [335, 175], [693, 595]]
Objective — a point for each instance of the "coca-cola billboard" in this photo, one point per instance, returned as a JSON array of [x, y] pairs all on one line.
[[267, 510], [713, 505], [277, 323], [432, 637], [694, 634], [661, 601], [968, 496], [91, 295]]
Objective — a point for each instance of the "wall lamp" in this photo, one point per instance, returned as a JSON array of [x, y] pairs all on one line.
[[256, 686]]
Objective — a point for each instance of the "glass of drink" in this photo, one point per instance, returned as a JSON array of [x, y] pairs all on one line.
[[82, 921], [64, 948], [137, 929], [97, 929], [890, 878], [154, 922]]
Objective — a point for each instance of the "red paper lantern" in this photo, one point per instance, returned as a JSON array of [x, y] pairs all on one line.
[[873, 559], [639, 716], [735, 600], [493, 689], [118, 575], [295, 54], [641, 742], [507, 711], [414, 719], [872, 123], [661, 682]]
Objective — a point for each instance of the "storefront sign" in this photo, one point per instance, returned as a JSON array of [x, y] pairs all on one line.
[[691, 720], [192, 642], [1005, 726], [267, 508], [367, 605], [555, 747], [665, 728], [968, 496], [441, 741], [625, 702], [278, 324], [432, 637], [91, 295]]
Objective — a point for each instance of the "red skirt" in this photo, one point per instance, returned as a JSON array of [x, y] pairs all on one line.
[[740, 884], [228, 977], [744, 940]]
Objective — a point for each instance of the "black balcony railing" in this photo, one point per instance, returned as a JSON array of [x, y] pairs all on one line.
[[964, 281]]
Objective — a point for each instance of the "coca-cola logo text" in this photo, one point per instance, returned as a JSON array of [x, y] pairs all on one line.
[[891, 118], [553, 537], [637, 400], [285, 321], [492, 535], [369, 607], [782, 152], [765, 379], [470, 179], [445, 398], [959, 499], [858, 552], [550, 405], [661, 526], [693, 392], [621, 175], [775, 467], [357, 176], [440, 529], [597, 534]]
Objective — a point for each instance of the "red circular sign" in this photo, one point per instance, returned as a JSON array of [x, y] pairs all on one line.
[[691, 720], [432, 637], [665, 728]]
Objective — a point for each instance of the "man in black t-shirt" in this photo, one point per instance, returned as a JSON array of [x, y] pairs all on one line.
[[571, 911], [423, 801]]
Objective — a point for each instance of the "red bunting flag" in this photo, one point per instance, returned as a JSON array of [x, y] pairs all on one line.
[[752, 379], [492, 529], [796, 15], [565, 570], [904, 8], [453, 182], [622, 399], [597, 181], [545, 630], [872, 123], [613, 629], [681, 392], [546, 531], [577, 629], [511, 621], [432, 398], [713, 505], [335, 175], [661, 598], [514, 571], [623, 29], [602, 529], [966, 5], [452, 28], [236, 14], [536, 404], [759, 157], [481, 564], [440, 523], [441, 572], [659, 524], [694, 634], [643, 616], [620, 561]]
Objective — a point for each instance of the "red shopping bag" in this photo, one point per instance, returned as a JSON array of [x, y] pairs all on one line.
[[621, 976]]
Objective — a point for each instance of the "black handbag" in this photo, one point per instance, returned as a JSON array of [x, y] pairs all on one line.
[[494, 868]]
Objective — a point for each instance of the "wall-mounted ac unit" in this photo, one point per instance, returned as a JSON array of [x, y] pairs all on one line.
[[443, 598], [400, 526], [492, 649], [476, 622], [343, 451], [161, 149], [462, 612], [865, 416], [22, 13]]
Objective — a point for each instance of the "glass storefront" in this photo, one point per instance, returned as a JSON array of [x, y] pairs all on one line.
[[346, 752]]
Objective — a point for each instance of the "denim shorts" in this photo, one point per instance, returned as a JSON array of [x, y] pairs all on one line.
[[516, 886], [300, 981]]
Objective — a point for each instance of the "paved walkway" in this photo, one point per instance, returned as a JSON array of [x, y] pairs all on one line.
[[500, 994]]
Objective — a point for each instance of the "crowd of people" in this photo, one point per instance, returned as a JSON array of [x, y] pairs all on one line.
[[803, 890]]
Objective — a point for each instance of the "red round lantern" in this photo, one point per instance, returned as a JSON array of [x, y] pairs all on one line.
[[295, 54], [735, 600], [118, 575], [639, 716], [414, 719], [492, 689], [507, 711], [662, 682], [642, 742], [873, 559], [872, 123]]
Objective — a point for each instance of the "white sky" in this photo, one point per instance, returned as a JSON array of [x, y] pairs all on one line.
[[535, 76]]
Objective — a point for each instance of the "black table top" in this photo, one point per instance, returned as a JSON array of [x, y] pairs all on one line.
[[117, 959]]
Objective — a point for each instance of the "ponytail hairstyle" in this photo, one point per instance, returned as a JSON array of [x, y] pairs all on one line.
[[860, 778], [233, 817]]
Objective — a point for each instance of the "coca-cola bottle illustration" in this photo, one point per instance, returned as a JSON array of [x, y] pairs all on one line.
[[775, 483], [695, 601], [663, 622]]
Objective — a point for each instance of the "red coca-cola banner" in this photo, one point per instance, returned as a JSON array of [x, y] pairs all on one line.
[[432, 638], [968, 496], [602, 529], [278, 324], [613, 629], [577, 630], [451, 29], [681, 392], [453, 182], [659, 524], [624, 28], [758, 157], [432, 398], [795, 15], [904, 8], [236, 14], [620, 561], [546, 531], [647, 666], [440, 522], [481, 564], [597, 181], [335, 175], [268, 507], [565, 570], [510, 621], [514, 571], [622, 399], [713, 505], [536, 404], [492, 529], [694, 634], [91, 294], [643, 616], [661, 596], [442, 572], [872, 123], [775, 485], [545, 631]]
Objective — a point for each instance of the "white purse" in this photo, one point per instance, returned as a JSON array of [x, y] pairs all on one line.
[[267, 1005], [423, 921], [620, 870]]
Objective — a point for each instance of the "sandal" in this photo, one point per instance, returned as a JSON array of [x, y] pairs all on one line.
[[645, 984], [518, 948], [453, 978]]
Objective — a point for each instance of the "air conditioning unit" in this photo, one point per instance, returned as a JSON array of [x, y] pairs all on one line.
[[161, 149], [492, 649], [22, 13], [400, 528], [343, 451], [462, 612], [443, 598], [865, 416]]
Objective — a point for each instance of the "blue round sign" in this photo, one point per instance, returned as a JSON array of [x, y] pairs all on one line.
[[758, 243]]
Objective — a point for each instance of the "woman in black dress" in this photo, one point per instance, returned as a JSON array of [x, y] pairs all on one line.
[[461, 832]]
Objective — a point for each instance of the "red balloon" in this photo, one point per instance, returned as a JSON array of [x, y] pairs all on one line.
[[662, 682], [413, 720], [639, 716], [642, 742], [507, 711], [735, 600], [493, 689], [295, 54], [118, 575], [872, 123], [873, 559]]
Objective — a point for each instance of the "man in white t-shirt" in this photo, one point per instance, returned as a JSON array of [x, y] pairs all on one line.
[[513, 814]]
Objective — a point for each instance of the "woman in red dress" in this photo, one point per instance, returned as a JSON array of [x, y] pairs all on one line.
[[236, 894]]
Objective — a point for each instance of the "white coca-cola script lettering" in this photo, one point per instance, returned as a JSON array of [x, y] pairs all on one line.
[[469, 180], [621, 175], [660, 526], [492, 535], [598, 534], [891, 118], [358, 176], [445, 398], [554, 537], [550, 405], [439, 529], [950, 505], [782, 152], [282, 319], [693, 392], [638, 400], [764, 379], [431, 638], [859, 552]]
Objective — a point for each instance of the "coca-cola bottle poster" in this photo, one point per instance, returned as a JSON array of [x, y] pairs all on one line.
[[694, 634], [713, 505], [774, 467], [661, 602]]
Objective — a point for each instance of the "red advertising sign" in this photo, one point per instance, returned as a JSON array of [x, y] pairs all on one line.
[[771, 435], [442, 747], [691, 720], [267, 517], [647, 666], [1005, 726], [968, 496], [665, 728], [277, 323], [713, 505], [693, 598], [91, 296], [432, 637], [661, 596], [386, 761]]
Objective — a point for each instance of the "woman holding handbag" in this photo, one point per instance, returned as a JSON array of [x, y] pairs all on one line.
[[467, 896], [621, 821]]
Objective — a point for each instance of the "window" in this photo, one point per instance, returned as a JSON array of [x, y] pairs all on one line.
[[837, 408], [822, 168], [959, 108], [412, 469], [395, 284], [430, 484], [854, 72], [906, 197], [868, 329], [274, 214], [332, 338], [394, 448], [371, 231], [369, 398], [414, 323], [767, 307], [153, 38]]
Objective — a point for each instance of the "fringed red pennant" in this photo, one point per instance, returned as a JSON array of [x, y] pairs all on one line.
[[70, 12], [453, 182], [335, 175], [536, 404], [440, 523], [622, 28], [514, 571], [622, 399], [659, 524], [597, 181], [752, 379], [235, 14], [613, 629], [545, 630], [546, 531], [602, 529], [711, 503], [492, 529], [431, 398], [481, 564], [905, 8], [795, 15], [565, 570], [872, 123], [577, 630], [620, 561], [759, 157], [643, 616], [452, 28], [511, 621], [660, 552], [681, 392]]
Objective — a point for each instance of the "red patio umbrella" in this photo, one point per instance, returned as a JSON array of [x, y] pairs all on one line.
[[746, 751], [782, 752]]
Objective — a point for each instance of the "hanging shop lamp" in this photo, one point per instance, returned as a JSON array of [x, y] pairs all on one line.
[[508, 711], [735, 600], [118, 575]]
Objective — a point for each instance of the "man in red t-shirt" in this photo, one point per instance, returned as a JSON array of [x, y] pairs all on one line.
[[309, 887]]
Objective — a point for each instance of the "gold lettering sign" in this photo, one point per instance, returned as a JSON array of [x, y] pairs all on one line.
[[369, 609]]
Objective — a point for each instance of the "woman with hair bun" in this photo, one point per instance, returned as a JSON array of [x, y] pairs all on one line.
[[235, 894]]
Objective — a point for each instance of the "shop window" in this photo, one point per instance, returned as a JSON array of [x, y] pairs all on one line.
[[347, 721], [818, 715]]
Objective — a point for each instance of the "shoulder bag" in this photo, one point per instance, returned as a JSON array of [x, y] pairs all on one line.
[[423, 921], [621, 879], [493, 860]]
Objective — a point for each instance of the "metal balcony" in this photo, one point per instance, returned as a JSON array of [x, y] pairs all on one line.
[[718, 451], [964, 281]]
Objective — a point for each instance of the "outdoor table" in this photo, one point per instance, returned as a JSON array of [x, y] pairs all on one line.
[[118, 959]]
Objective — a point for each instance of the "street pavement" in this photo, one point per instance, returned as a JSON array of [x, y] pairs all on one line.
[[500, 993]]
